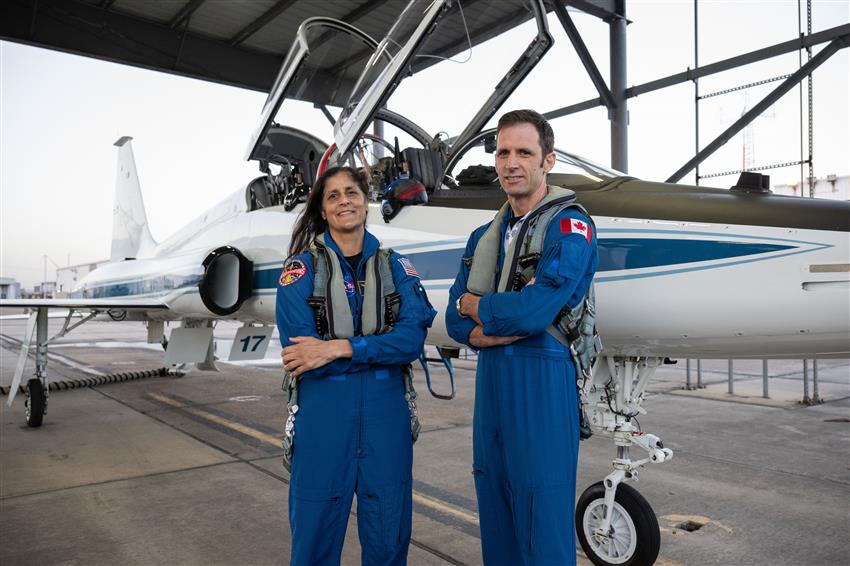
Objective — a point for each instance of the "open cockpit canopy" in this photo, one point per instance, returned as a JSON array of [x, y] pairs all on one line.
[[332, 65]]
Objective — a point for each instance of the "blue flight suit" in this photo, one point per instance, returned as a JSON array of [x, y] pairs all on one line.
[[525, 427], [352, 429]]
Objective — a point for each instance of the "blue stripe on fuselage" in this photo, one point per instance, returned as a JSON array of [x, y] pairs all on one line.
[[615, 254]]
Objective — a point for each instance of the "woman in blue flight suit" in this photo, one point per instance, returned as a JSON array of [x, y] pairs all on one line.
[[352, 428]]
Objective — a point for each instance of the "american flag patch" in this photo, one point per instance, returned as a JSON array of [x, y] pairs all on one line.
[[408, 267]]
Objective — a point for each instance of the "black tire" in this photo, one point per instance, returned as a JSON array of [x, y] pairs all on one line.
[[633, 517], [36, 402]]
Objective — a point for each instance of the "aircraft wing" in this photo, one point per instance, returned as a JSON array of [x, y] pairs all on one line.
[[85, 304]]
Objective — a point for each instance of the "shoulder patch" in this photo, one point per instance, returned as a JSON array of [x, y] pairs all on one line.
[[408, 267], [293, 270], [576, 226]]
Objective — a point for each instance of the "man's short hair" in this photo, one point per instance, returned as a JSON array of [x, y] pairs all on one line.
[[544, 130]]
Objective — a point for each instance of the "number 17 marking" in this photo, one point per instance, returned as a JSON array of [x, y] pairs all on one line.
[[247, 341]]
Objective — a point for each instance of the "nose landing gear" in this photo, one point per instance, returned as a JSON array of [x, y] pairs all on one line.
[[632, 538], [614, 523]]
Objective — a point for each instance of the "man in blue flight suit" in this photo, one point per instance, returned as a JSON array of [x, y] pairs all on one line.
[[525, 427], [352, 425]]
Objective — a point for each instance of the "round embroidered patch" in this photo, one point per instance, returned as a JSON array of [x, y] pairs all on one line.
[[293, 270]]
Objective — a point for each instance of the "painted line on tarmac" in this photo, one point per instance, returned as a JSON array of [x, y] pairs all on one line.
[[444, 507], [238, 427], [418, 497]]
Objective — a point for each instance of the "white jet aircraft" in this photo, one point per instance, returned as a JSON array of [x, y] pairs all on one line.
[[684, 271]]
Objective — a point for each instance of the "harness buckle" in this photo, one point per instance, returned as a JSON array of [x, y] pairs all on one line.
[[320, 314]]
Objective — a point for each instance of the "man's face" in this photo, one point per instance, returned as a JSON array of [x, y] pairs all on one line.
[[520, 163]]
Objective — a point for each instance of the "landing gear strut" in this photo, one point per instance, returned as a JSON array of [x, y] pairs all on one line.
[[614, 523], [37, 386], [35, 405]]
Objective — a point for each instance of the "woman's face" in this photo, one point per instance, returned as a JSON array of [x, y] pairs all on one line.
[[344, 205]]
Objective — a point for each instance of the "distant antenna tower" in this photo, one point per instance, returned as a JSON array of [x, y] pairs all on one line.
[[748, 145]]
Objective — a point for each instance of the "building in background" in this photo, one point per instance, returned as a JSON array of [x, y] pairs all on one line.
[[830, 187], [47, 290], [9, 288], [67, 278]]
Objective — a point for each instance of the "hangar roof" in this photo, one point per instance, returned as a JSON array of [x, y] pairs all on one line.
[[235, 42]]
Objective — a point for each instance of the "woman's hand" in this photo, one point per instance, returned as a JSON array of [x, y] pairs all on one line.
[[308, 353], [478, 339]]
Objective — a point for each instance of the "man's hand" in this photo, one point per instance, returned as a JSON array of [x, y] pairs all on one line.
[[469, 306], [308, 353], [478, 339]]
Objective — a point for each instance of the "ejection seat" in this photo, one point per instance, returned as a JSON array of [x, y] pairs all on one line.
[[259, 194], [425, 165]]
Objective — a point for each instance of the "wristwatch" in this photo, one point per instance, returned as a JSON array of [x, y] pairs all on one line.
[[457, 308]]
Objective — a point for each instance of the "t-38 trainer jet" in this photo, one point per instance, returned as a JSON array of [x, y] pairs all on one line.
[[684, 271]]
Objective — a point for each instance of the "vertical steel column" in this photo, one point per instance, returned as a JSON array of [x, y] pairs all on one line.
[[699, 375], [378, 130], [696, 109], [802, 161], [764, 386], [815, 397], [619, 115], [811, 134], [806, 399], [731, 380], [688, 385]]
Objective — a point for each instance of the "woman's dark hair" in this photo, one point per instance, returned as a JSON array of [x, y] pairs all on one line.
[[310, 224]]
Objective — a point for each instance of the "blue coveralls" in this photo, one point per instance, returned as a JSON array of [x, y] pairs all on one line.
[[352, 429], [525, 427]]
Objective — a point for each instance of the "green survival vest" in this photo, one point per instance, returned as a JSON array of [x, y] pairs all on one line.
[[334, 319], [574, 328]]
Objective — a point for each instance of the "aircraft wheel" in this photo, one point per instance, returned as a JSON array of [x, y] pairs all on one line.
[[634, 538], [35, 403]]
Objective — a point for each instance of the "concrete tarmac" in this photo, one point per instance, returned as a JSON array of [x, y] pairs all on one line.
[[186, 470]]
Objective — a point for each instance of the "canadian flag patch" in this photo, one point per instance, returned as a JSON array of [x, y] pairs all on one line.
[[576, 226]]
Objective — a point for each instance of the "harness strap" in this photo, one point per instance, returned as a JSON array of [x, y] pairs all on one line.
[[381, 301], [482, 274]]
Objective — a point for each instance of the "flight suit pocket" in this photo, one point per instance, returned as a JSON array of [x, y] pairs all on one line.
[[386, 516], [548, 516], [522, 502], [569, 262]]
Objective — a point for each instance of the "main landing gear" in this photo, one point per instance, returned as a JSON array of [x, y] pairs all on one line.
[[37, 386], [614, 523]]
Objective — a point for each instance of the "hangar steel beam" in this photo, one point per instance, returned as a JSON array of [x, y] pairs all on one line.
[[619, 113], [185, 12], [87, 29], [602, 9], [802, 42], [745, 59], [260, 22], [362, 10], [764, 104], [584, 55]]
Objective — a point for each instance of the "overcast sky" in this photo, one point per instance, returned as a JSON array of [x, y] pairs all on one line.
[[60, 115]]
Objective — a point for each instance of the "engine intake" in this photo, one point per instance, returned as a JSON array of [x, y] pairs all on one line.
[[226, 282]]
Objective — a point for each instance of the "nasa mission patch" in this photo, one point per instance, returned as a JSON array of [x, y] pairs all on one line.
[[293, 270]]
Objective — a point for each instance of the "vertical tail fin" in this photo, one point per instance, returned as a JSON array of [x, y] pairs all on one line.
[[131, 237]]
